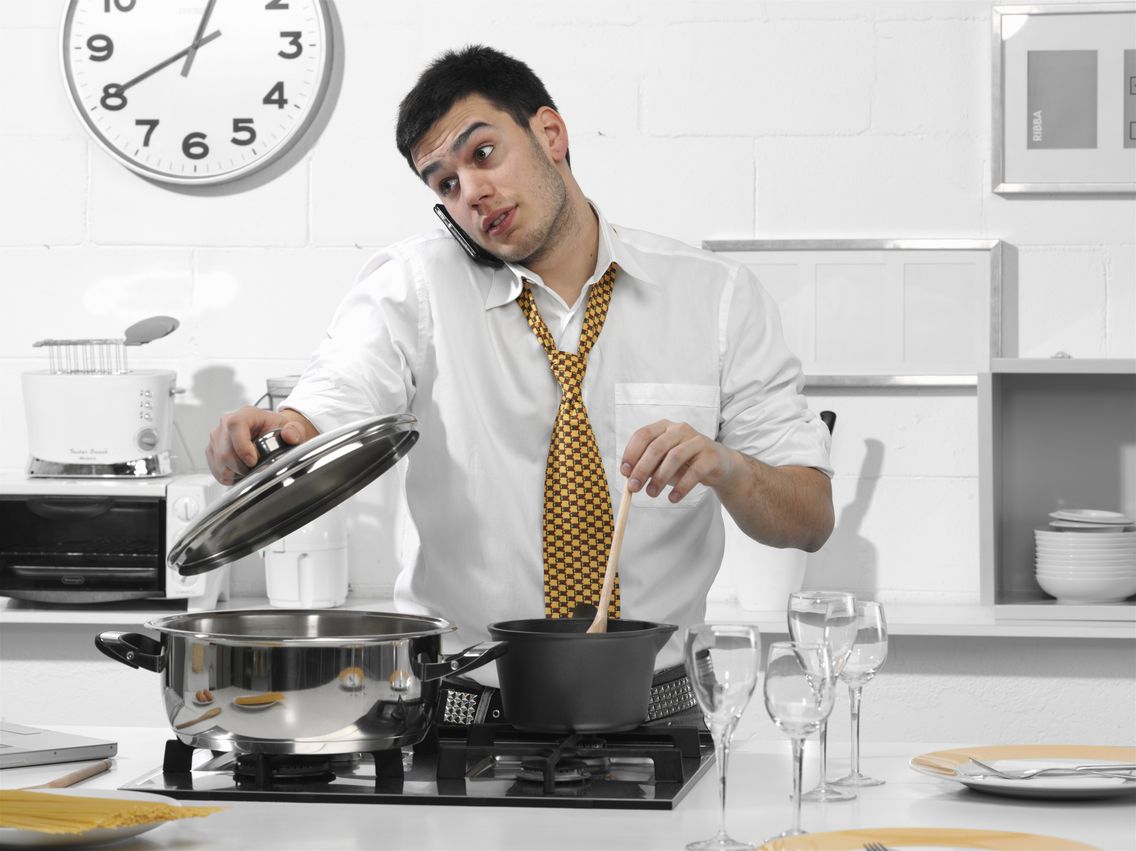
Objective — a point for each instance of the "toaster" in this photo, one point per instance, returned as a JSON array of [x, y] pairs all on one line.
[[102, 425]]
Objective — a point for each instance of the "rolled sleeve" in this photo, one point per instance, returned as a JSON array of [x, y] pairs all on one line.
[[764, 414], [365, 365]]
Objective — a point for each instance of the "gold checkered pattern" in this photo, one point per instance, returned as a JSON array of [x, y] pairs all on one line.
[[577, 504]]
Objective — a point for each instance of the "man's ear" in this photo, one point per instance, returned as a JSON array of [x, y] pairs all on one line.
[[551, 132]]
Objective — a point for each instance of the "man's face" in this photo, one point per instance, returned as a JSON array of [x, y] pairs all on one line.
[[496, 179]]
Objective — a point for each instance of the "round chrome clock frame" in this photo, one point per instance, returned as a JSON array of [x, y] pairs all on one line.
[[261, 157]]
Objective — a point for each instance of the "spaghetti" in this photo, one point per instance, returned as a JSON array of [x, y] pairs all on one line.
[[50, 813]]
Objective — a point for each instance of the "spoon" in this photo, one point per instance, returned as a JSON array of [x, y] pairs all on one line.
[[150, 329], [76, 776], [599, 624]]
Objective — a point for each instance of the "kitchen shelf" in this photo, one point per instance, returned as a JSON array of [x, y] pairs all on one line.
[[1053, 433], [1064, 366], [906, 619], [894, 380], [946, 620]]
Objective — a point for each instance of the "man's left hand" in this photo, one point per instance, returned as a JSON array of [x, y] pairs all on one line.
[[669, 454]]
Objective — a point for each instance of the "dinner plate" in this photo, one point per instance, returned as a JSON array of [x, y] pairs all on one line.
[[1082, 535], [1072, 525], [898, 838], [14, 837], [1091, 515], [952, 765]]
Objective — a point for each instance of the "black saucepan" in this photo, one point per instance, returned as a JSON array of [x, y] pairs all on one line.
[[558, 679]]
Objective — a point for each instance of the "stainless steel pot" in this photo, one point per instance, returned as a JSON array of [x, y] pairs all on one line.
[[282, 681]]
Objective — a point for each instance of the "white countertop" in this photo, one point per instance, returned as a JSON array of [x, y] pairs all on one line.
[[759, 781]]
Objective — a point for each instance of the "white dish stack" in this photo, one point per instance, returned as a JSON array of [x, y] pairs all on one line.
[[1087, 556]]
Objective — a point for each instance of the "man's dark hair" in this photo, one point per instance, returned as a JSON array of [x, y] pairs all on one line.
[[507, 83]]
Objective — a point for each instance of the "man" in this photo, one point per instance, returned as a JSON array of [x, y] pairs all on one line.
[[592, 354]]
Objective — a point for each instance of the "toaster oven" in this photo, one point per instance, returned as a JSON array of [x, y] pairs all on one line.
[[102, 540]]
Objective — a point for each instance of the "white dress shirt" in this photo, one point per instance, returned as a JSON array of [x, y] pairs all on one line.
[[689, 336]]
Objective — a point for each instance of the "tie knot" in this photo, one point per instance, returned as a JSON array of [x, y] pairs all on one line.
[[569, 368]]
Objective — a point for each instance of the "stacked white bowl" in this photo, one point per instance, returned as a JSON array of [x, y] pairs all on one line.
[[1087, 556]]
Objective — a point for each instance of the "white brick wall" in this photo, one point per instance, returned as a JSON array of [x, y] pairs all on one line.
[[698, 119]]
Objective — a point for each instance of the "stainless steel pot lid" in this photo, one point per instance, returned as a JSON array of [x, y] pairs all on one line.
[[289, 488]]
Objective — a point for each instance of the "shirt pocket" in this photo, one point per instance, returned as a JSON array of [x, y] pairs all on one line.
[[637, 405]]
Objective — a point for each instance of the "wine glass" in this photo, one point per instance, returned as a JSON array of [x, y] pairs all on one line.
[[868, 654], [722, 661], [825, 617], [799, 693]]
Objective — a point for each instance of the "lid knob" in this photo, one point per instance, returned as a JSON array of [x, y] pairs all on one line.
[[269, 445]]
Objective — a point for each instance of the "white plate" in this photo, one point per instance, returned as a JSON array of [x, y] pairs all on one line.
[[953, 766], [1091, 515], [1089, 527], [1087, 562], [1097, 535], [1085, 543], [1084, 573], [14, 837]]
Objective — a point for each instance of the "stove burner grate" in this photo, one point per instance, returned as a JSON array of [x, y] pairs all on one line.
[[547, 770], [263, 771]]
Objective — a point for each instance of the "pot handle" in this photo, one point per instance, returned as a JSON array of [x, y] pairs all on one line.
[[664, 635], [133, 649], [462, 661]]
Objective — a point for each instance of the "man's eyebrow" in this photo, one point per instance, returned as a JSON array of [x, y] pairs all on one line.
[[458, 144]]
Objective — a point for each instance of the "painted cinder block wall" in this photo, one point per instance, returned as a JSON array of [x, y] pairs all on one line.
[[702, 120]]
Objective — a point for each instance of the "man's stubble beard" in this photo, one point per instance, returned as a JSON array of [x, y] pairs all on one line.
[[554, 193]]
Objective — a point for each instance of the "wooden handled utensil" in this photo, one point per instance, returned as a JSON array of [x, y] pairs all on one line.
[[599, 624], [204, 716], [75, 776]]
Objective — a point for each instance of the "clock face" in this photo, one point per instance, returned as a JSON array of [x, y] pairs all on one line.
[[200, 91]]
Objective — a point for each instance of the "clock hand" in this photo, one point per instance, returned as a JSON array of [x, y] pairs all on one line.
[[197, 38], [170, 61]]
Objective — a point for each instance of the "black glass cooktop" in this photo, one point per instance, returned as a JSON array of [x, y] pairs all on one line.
[[648, 768]]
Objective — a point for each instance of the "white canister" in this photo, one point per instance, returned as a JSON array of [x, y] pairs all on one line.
[[308, 568], [768, 576]]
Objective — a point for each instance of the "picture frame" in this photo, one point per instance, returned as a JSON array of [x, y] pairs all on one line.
[[1064, 99], [886, 313]]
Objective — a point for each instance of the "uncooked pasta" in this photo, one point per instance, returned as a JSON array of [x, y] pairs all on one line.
[[51, 813]]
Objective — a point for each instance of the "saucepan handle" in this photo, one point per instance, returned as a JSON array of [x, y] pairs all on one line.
[[133, 649], [465, 660]]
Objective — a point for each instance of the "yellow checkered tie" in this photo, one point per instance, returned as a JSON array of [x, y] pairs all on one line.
[[577, 504]]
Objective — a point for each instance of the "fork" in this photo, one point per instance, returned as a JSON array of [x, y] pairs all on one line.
[[1099, 770], [874, 846]]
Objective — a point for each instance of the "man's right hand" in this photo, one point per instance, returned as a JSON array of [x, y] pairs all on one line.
[[231, 453]]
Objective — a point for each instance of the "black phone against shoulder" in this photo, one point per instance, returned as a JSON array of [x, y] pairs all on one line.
[[476, 253]]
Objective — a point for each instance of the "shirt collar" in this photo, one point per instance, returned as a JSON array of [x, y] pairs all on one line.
[[506, 284]]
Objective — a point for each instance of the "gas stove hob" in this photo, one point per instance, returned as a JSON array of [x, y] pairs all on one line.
[[647, 768]]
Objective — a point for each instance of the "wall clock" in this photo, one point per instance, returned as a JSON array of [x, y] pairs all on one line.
[[201, 92]]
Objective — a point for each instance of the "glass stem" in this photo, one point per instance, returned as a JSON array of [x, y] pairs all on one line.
[[824, 753], [798, 765], [722, 755], [854, 702]]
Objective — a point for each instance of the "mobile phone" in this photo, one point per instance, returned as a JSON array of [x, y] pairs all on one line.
[[476, 253]]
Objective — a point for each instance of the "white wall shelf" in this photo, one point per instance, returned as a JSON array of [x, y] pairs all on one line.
[[946, 621], [903, 619], [1064, 366]]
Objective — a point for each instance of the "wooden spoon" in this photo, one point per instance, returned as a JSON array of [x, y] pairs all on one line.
[[599, 624], [75, 776]]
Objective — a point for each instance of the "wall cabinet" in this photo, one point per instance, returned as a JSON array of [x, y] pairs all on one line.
[[1053, 433]]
